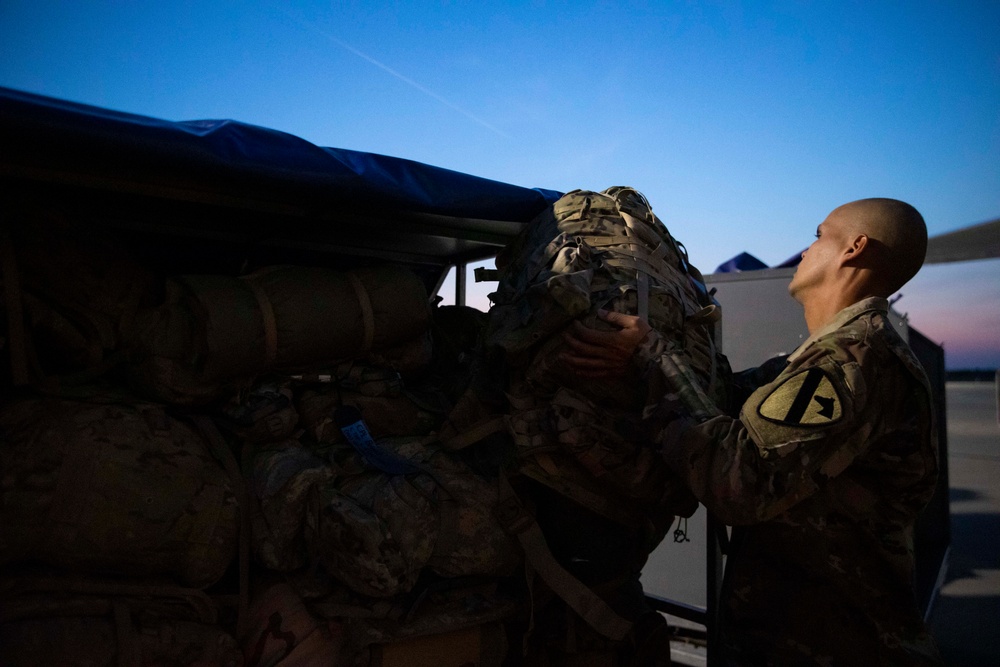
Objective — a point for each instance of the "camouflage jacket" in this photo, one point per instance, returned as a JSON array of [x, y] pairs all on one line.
[[824, 471]]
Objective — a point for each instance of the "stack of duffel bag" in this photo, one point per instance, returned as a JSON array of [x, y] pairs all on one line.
[[117, 518], [176, 488]]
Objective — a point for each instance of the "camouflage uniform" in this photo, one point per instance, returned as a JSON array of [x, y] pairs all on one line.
[[823, 475]]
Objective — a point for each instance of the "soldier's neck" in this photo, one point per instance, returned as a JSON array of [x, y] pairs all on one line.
[[817, 314], [821, 306]]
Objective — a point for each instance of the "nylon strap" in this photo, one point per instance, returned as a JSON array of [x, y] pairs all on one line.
[[642, 292], [638, 264], [638, 229], [542, 469], [636, 249], [367, 314], [476, 432], [585, 602], [482, 274], [604, 241], [220, 450], [710, 314], [681, 254], [270, 324]]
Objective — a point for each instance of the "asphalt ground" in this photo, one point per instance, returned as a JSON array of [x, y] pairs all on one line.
[[965, 618]]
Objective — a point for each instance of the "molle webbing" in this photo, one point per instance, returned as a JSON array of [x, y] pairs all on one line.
[[592, 251]]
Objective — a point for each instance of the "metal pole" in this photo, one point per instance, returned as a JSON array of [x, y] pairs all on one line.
[[460, 281], [717, 539]]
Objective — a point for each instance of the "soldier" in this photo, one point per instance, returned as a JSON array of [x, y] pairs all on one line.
[[824, 469]]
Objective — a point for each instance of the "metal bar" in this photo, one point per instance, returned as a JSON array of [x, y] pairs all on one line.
[[461, 279], [714, 567], [716, 545], [679, 609]]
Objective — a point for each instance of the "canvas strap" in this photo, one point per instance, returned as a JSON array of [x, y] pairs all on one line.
[[476, 432], [637, 229], [367, 313], [517, 521], [219, 448]]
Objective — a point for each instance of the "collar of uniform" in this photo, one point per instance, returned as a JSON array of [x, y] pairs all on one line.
[[842, 318]]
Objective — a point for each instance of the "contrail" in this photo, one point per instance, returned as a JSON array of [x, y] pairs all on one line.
[[386, 68]]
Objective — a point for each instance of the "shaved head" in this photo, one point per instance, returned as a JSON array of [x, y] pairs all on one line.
[[896, 232]]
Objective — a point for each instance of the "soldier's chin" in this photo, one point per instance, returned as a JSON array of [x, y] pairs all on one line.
[[792, 287]]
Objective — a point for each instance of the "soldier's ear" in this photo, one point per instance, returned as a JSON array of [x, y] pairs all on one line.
[[857, 247]]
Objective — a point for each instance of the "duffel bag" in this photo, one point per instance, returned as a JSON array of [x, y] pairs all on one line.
[[118, 488], [66, 619], [215, 334]]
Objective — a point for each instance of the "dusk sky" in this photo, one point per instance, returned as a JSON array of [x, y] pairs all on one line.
[[744, 123]]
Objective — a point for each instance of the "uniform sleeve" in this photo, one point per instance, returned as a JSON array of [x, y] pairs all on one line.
[[674, 390], [745, 382], [806, 425]]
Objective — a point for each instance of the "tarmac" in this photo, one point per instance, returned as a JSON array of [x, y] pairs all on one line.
[[965, 615], [965, 618]]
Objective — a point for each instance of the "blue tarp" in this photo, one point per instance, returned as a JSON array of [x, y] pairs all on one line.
[[45, 130], [791, 261], [741, 262], [53, 134], [747, 262]]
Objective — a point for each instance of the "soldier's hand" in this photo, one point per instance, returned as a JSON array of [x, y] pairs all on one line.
[[600, 355]]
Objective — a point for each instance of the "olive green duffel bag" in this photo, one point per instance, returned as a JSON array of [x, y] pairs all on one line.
[[113, 488]]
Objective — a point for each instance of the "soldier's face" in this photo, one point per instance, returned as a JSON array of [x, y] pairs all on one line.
[[818, 260]]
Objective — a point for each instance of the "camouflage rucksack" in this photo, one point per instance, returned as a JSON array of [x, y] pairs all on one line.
[[594, 251], [375, 531], [587, 440]]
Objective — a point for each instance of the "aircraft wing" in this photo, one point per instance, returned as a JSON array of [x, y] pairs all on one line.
[[980, 241]]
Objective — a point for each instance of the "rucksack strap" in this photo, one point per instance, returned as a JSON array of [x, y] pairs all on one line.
[[219, 448], [367, 312], [517, 521], [474, 433]]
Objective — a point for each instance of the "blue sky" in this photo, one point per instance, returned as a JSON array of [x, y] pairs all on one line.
[[744, 123]]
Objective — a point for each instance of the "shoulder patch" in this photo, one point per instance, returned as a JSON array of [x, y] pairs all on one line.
[[807, 398]]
